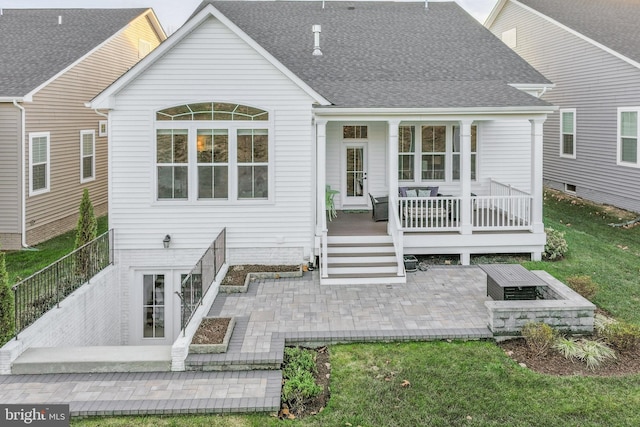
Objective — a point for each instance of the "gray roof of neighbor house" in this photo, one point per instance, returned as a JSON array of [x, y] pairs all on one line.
[[388, 54], [612, 23], [34, 47]]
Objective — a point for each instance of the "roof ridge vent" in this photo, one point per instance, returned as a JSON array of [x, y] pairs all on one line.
[[316, 39]]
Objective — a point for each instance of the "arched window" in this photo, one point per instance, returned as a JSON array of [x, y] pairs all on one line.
[[212, 111]]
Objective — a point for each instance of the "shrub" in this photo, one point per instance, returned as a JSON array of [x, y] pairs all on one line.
[[7, 304], [556, 246], [300, 385], [87, 227], [620, 335], [583, 285], [539, 337]]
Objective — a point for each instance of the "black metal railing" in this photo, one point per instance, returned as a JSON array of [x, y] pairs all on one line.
[[44, 290], [196, 284]]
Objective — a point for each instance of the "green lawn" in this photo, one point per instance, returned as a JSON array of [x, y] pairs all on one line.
[[22, 264]]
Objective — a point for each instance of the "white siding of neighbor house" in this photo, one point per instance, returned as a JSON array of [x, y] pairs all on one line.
[[213, 64], [593, 82], [10, 196]]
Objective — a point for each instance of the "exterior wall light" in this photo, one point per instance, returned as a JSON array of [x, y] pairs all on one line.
[[166, 241]]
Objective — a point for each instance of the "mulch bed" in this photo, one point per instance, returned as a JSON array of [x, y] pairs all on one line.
[[211, 331], [237, 273], [553, 363]]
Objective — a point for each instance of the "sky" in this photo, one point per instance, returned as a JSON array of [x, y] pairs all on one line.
[[172, 13]]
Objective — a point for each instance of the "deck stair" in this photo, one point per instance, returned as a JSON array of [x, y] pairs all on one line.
[[361, 260]]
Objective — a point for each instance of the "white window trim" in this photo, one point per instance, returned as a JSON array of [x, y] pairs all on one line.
[[82, 156], [47, 188], [619, 136], [448, 179], [575, 145], [103, 128], [233, 127]]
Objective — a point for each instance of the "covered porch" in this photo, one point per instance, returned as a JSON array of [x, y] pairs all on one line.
[[474, 185]]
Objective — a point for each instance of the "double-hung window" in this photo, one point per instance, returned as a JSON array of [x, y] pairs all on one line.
[[457, 149], [172, 157], [406, 154], [87, 155], [213, 163], [568, 133], [434, 152], [39, 166], [628, 136], [253, 163]]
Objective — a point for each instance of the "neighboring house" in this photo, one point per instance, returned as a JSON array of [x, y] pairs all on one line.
[[238, 122], [51, 145], [591, 52]]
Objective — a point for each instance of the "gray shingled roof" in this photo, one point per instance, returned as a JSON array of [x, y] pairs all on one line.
[[389, 54], [613, 23], [34, 48]]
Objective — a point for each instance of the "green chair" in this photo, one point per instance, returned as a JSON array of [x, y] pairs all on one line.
[[331, 207]]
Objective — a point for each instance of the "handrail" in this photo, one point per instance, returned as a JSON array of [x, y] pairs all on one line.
[[397, 234], [430, 213], [196, 284], [497, 188], [44, 290]]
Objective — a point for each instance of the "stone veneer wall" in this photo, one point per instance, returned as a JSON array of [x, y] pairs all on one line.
[[568, 311]]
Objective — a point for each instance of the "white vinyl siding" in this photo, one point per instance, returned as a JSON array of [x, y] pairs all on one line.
[[87, 155], [568, 132], [212, 63], [628, 136], [39, 164]]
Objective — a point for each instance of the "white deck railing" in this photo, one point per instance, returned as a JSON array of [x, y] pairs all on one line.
[[429, 213], [505, 209]]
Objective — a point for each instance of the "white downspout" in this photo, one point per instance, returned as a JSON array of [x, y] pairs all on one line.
[[23, 191]]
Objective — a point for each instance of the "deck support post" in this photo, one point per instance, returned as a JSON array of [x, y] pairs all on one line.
[[321, 174]]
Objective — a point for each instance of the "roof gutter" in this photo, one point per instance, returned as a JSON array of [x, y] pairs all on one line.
[[327, 111], [23, 191]]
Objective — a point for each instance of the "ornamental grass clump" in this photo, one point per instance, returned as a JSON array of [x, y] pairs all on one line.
[[583, 285], [593, 353]]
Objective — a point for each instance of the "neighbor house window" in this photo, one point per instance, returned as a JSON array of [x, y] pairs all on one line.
[[253, 163], [87, 155], [153, 305], [628, 137], [456, 152], [568, 133], [434, 152], [172, 158], [213, 163], [39, 168], [222, 147], [406, 153], [354, 132]]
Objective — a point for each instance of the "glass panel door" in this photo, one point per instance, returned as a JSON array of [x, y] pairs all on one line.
[[355, 174]]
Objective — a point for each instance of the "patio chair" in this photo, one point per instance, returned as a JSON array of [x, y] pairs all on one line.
[[380, 208]]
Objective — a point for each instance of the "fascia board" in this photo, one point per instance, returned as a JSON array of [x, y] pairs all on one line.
[[494, 13]]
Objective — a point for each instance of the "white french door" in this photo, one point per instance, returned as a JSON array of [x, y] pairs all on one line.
[[354, 185]]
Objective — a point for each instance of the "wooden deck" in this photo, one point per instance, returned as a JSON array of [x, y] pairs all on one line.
[[356, 224]]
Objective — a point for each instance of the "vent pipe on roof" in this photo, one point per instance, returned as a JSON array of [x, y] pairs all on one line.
[[60, 20], [316, 40], [426, 4], [323, 4]]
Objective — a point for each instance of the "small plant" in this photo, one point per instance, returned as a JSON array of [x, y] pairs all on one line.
[[539, 337], [556, 246], [7, 304], [620, 335], [298, 369], [593, 353], [583, 285], [86, 231]]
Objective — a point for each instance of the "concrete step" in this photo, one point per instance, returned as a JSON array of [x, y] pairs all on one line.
[[382, 257], [67, 360], [362, 279], [370, 248], [363, 268], [359, 240]]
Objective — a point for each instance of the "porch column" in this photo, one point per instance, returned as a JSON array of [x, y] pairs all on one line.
[[465, 176], [321, 173], [393, 162], [536, 174]]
